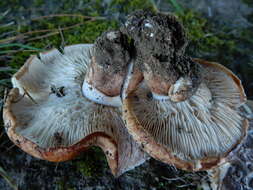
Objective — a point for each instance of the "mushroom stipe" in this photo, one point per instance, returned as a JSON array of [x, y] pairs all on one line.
[[133, 92]]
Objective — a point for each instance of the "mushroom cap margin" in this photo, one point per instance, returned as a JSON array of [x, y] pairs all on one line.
[[100, 139]]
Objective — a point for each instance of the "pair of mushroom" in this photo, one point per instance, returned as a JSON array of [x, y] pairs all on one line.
[[133, 91]]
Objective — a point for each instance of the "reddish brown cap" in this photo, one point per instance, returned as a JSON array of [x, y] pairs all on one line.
[[47, 116], [195, 134]]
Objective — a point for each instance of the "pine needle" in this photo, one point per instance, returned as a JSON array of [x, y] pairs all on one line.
[[8, 179]]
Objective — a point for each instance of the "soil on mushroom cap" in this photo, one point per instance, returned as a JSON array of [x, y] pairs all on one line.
[[156, 34], [160, 42], [182, 66], [112, 51]]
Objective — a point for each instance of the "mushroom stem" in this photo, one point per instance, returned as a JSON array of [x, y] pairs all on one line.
[[127, 84], [180, 90], [159, 97], [104, 80], [133, 78], [95, 95], [177, 92], [127, 80]]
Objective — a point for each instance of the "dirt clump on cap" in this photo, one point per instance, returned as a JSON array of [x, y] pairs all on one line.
[[111, 51], [156, 34], [170, 72], [186, 67], [160, 42]]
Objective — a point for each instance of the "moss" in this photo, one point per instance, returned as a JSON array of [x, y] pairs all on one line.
[[85, 33], [207, 41], [248, 2], [92, 163], [203, 40], [81, 33], [38, 3], [85, 168], [64, 184], [128, 6], [198, 34], [60, 184]]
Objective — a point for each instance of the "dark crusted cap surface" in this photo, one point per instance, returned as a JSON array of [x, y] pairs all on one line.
[[186, 67], [111, 51], [155, 34], [170, 72]]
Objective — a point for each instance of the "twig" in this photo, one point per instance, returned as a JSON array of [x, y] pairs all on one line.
[[24, 35], [56, 32], [19, 45], [68, 15], [43, 36], [16, 51], [4, 14], [5, 95], [1, 134], [8, 179], [185, 185], [62, 37], [9, 148], [56, 167], [16, 101], [6, 25], [6, 34], [4, 57], [26, 93]]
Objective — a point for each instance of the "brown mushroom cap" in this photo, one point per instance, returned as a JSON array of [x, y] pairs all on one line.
[[47, 116], [195, 134]]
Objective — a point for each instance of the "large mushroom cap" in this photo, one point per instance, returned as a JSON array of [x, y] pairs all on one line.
[[195, 134], [47, 116]]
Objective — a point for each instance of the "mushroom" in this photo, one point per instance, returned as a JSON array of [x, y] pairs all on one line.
[[49, 114], [186, 111]]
